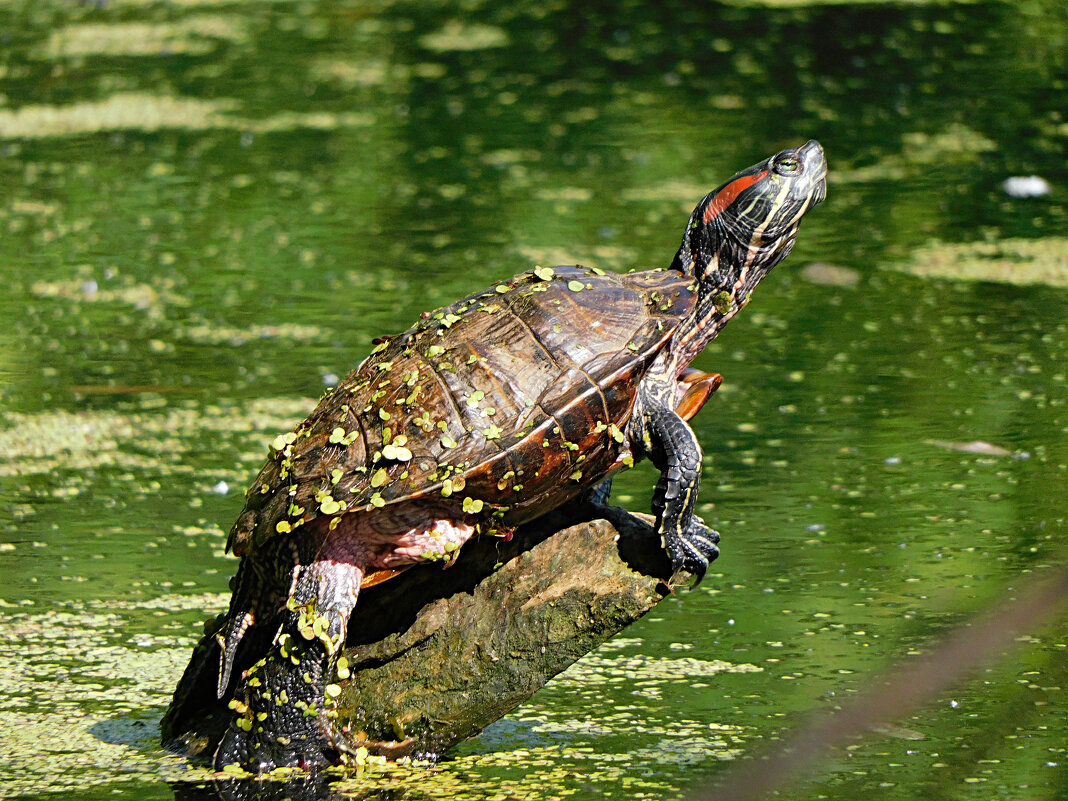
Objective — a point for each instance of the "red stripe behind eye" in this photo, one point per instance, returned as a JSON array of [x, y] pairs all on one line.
[[728, 194]]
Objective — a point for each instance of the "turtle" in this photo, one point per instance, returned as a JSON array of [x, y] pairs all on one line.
[[485, 415]]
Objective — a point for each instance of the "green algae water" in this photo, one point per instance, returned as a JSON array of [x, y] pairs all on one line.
[[208, 209]]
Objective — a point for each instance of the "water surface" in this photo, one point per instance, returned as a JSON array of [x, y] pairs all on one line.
[[209, 209]]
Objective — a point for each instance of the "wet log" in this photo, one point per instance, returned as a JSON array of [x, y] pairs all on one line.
[[434, 656]]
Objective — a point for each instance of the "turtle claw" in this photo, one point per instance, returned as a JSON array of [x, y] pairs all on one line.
[[693, 551], [280, 719], [259, 757], [279, 741]]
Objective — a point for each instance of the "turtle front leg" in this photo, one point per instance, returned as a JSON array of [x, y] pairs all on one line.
[[282, 705], [674, 450]]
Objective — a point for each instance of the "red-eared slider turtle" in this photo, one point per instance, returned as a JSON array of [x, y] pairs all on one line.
[[484, 415]]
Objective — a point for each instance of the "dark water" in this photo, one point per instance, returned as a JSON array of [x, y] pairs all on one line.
[[209, 208]]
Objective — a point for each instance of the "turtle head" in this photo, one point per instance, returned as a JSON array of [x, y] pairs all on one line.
[[741, 230]]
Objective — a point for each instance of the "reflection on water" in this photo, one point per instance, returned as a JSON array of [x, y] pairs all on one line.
[[209, 210]]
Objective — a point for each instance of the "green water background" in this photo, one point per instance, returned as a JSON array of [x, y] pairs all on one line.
[[208, 209]]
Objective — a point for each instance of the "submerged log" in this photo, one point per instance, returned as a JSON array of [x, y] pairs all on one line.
[[434, 656]]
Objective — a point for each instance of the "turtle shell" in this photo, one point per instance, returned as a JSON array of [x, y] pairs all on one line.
[[503, 405]]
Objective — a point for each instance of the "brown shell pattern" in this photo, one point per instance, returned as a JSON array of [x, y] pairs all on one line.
[[505, 403]]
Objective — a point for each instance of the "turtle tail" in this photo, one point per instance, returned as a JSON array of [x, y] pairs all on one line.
[[198, 715], [240, 618], [199, 712]]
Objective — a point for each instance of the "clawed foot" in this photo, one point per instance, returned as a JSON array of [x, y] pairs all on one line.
[[280, 715], [693, 550], [260, 752]]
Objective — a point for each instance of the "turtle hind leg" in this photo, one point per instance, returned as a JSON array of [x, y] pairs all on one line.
[[283, 714]]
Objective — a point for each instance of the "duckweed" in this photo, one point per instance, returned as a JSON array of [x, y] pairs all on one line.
[[1043, 260], [171, 255]]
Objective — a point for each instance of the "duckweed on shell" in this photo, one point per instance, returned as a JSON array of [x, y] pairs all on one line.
[[396, 453]]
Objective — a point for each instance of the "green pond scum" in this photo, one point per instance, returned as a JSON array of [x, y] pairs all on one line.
[[211, 209]]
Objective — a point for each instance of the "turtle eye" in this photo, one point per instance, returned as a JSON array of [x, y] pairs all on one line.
[[788, 165]]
